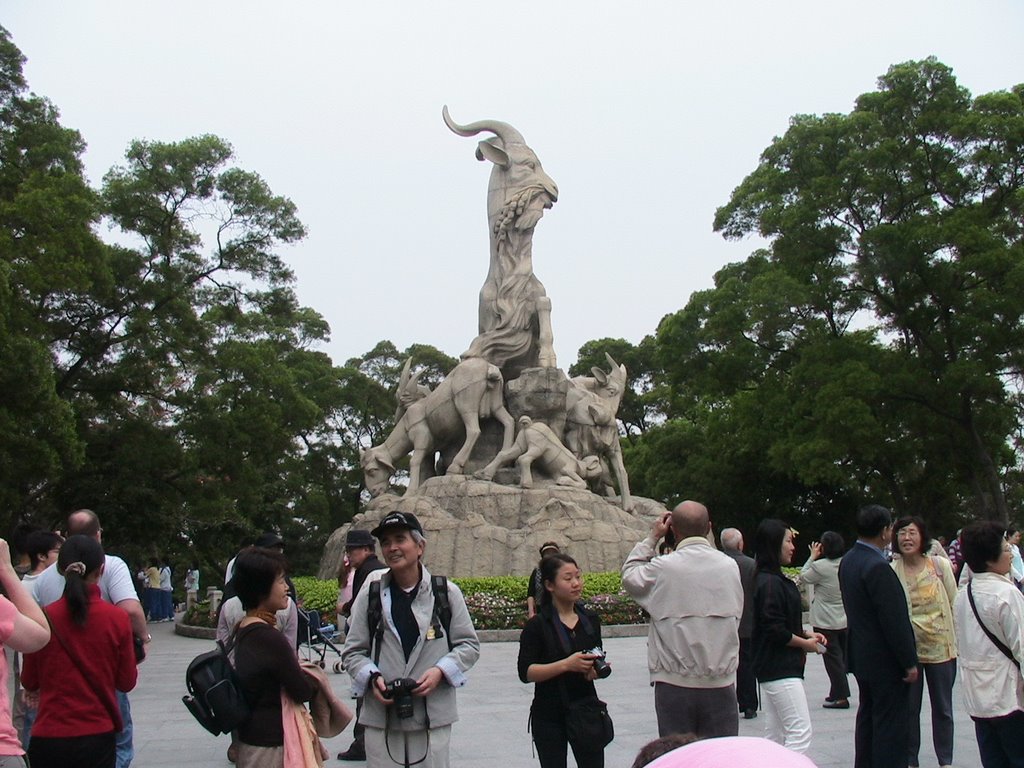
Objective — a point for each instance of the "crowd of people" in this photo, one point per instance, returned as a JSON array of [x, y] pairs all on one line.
[[897, 610]]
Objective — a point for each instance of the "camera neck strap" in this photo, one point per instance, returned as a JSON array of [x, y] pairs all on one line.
[[405, 738]]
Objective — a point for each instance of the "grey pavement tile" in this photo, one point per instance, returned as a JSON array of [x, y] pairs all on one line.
[[493, 708]]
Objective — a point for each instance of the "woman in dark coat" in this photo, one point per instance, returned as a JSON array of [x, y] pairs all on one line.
[[780, 643], [265, 660], [554, 655]]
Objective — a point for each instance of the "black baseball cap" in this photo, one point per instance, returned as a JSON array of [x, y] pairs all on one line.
[[358, 537], [398, 520]]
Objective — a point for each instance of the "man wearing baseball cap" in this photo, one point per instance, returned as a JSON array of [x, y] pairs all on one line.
[[412, 649], [361, 550]]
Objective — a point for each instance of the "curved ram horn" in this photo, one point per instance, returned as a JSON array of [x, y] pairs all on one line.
[[404, 378], [503, 131]]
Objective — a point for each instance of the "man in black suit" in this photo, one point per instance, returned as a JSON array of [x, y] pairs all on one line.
[[882, 653], [746, 683]]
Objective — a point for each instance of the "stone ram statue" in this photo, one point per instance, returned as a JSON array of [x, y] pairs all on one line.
[[515, 311], [472, 391], [590, 426], [537, 443]]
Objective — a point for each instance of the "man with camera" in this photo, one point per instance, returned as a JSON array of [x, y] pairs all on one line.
[[409, 646], [695, 599]]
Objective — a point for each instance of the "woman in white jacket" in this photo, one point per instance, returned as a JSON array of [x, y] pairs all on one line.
[[827, 613], [990, 670]]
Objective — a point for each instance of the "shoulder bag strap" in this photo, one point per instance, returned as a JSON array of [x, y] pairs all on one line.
[[998, 643], [115, 715], [551, 631]]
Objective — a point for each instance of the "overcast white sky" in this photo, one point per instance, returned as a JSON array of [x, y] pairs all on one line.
[[646, 114]]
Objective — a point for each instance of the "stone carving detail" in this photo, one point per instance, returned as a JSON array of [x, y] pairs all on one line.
[[591, 428], [477, 528], [515, 311], [568, 436], [472, 391], [536, 442]]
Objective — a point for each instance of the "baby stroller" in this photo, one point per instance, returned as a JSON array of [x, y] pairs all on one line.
[[316, 639]]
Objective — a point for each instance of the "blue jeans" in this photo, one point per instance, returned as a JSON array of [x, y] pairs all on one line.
[[166, 604], [123, 741], [26, 727]]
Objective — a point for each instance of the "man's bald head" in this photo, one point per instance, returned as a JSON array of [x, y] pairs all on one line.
[[84, 522], [690, 518], [732, 539]]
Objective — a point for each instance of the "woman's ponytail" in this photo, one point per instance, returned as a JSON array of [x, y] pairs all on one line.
[[79, 559]]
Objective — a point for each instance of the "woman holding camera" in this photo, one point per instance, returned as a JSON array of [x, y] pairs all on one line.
[[556, 653], [780, 643], [265, 660]]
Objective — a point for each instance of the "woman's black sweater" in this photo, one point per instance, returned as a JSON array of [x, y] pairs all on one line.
[[777, 617], [541, 642]]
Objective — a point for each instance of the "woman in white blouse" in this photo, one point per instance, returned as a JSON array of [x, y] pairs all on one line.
[[827, 613]]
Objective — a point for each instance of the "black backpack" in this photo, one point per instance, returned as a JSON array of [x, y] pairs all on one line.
[[215, 698], [441, 617]]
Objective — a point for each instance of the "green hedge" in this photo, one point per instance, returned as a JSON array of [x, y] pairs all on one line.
[[497, 602]]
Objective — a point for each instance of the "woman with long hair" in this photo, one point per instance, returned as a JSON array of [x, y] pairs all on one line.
[[90, 656], [265, 661], [827, 613], [780, 643], [931, 591], [554, 654]]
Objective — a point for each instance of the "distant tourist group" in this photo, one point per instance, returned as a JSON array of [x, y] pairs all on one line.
[[726, 639]]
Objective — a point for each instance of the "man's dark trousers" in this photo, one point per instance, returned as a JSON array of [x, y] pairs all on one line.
[[746, 682], [881, 738]]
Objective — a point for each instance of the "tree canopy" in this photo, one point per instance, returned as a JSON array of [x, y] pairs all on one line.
[[166, 375], [873, 349]]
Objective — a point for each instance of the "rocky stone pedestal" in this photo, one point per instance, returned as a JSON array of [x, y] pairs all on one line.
[[479, 528]]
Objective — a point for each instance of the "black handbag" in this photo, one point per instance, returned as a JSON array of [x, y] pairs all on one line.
[[588, 724]]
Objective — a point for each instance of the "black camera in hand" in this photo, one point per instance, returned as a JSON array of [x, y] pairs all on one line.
[[601, 667], [400, 692]]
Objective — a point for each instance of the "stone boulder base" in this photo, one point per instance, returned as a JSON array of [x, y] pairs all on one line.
[[479, 528]]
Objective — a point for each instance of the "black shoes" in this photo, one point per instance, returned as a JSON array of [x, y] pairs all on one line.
[[837, 704], [354, 753], [749, 714]]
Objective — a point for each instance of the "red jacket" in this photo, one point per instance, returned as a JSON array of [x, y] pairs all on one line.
[[71, 700]]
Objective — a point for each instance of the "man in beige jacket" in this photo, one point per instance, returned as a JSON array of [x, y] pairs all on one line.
[[695, 600]]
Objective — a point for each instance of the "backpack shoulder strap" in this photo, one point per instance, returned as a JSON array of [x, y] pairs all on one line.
[[375, 619], [442, 607]]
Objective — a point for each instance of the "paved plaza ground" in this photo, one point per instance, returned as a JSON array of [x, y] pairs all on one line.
[[493, 709]]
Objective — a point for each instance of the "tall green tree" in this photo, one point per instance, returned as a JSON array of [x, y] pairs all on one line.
[[889, 300], [47, 252]]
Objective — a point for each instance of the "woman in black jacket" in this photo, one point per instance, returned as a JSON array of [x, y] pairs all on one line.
[[780, 643], [554, 653]]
